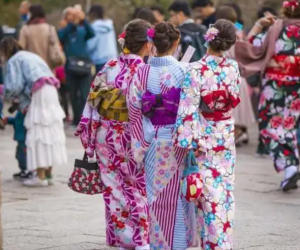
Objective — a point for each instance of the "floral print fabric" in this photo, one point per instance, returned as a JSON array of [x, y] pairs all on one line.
[[172, 219], [214, 80], [123, 179], [279, 107]]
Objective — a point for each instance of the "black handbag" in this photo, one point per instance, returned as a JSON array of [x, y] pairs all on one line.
[[80, 66], [86, 177]]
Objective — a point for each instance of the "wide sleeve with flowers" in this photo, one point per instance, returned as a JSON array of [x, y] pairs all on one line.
[[139, 124], [90, 119], [190, 124]]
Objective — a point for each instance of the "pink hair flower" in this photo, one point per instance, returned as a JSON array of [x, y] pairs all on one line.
[[121, 39], [290, 4], [211, 34], [150, 34]]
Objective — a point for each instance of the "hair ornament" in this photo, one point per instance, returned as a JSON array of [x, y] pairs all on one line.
[[211, 34], [150, 34], [121, 39]]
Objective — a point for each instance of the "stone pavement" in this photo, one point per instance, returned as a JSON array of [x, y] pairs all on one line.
[[55, 218]]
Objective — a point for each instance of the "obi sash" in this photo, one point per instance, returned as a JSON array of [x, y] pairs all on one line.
[[111, 104], [162, 108]]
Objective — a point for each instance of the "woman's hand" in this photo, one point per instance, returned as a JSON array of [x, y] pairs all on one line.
[[267, 21]]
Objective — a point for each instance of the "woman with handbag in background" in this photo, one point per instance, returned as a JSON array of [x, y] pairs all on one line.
[[212, 84], [104, 129], [28, 78], [39, 37], [154, 99]]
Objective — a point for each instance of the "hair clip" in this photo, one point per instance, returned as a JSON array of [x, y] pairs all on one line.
[[150, 34], [211, 34], [239, 26], [121, 39], [126, 51]]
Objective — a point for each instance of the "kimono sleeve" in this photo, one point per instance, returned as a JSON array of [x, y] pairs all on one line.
[[234, 88], [139, 124], [90, 119], [190, 125], [14, 82]]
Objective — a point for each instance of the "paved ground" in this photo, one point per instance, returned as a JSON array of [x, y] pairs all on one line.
[[55, 218]]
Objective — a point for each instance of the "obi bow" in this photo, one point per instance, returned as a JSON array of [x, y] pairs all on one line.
[[168, 102]]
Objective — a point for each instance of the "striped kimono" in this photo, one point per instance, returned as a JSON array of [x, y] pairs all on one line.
[[125, 192], [171, 217]]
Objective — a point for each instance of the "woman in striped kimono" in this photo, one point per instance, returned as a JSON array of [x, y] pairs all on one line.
[[106, 131], [154, 98]]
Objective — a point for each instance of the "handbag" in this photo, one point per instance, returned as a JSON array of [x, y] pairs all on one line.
[[191, 183], [56, 54], [85, 178], [80, 66]]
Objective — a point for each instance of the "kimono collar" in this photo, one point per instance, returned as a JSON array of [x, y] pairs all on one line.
[[162, 61], [214, 59], [131, 59]]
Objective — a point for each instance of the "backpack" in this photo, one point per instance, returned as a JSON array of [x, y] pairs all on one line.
[[194, 39]]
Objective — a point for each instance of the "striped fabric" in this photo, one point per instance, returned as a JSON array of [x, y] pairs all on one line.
[[170, 225]]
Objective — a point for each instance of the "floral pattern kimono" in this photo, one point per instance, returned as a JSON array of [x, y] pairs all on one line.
[[279, 107], [125, 192], [213, 85], [172, 219]]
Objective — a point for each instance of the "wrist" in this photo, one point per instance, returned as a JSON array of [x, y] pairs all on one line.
[[258, 24]]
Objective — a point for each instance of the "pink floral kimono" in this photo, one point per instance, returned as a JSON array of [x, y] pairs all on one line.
[[125, 193]]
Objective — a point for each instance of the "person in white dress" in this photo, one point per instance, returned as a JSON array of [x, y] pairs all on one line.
[[28, 78]]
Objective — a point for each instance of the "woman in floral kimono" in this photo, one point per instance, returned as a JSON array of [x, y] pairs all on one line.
[[154, 98], [212, 84], [108, 134], [279, 109]]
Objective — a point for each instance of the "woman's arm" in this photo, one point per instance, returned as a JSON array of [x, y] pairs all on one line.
[[89, 30], [13, 81], [260, 25]]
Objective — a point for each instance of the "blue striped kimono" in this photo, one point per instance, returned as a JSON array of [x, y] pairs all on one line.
[[172, 219]]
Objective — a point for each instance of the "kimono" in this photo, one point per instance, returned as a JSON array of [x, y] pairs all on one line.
[[125, 192], [213, 82], [279, 106], [172, 219]]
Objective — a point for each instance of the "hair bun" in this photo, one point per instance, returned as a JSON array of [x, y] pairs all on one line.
[[166, 34]]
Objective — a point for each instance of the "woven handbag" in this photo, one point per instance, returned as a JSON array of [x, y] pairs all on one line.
[[85, 178], [191, 183]]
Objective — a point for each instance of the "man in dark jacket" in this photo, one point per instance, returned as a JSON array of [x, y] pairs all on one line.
[[206, 10], [192, 34], [74, 39]]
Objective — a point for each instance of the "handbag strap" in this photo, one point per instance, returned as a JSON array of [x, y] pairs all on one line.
[[191, 159]]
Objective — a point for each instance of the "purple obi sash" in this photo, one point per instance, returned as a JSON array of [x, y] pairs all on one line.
[[162, 108]]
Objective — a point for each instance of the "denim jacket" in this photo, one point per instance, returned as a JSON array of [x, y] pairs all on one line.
[[21, 72]]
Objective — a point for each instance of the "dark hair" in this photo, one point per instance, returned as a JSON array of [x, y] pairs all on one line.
[[181, 6], [37, 11], [96, 12], [265, 8], [202, 3], [9, 47], [226, 12], [147, 15], [158, 9], [238, 12], [165, 36], [226, 36], [136, 35], [290, 12]]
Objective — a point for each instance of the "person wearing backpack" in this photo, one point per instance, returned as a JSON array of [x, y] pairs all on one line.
[[192, 34]]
